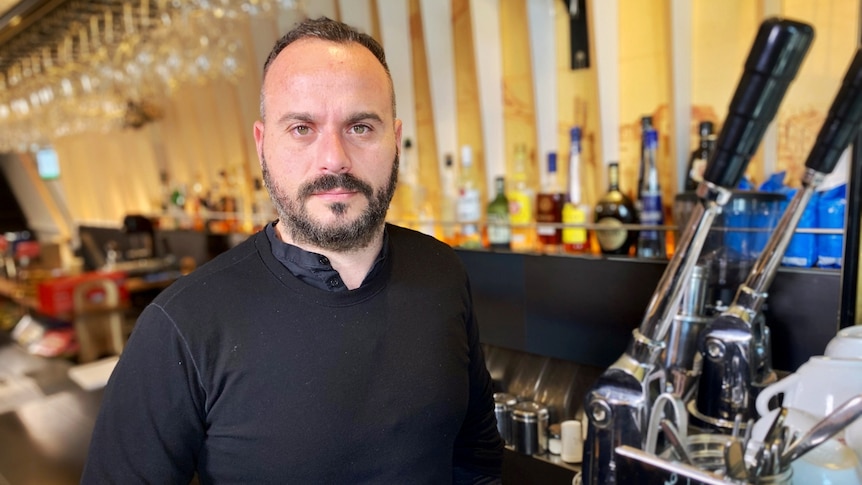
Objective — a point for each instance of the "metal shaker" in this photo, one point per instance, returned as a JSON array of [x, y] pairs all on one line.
[[504, 403], [530, 428]]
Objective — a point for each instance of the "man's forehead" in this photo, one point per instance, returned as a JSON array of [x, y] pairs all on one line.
[[315, 64], [319, 53]]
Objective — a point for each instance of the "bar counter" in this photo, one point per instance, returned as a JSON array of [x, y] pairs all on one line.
[[572, 316]]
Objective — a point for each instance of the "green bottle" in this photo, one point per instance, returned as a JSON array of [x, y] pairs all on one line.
[[499, 232]]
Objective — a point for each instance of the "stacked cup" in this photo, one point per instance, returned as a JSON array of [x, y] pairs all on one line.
[[819, 386]]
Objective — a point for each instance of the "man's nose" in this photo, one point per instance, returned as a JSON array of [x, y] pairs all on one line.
[[333, 156]]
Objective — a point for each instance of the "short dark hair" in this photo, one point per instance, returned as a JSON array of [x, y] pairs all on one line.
[[324, 28]]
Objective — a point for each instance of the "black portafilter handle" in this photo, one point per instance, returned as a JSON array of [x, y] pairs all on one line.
[[772, 63], [841, 123], [774, 60]]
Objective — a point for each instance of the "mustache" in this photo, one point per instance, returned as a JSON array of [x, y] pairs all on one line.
[[333, 181]]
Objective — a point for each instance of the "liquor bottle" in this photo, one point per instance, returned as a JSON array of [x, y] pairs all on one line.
[[575, 239], [469, 201], [521, 216], [700, 156], [651, 241], [613, 210], [499, 234], [449, 200], [646, 124], [549, 209]]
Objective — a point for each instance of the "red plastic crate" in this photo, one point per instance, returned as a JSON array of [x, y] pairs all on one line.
[[56, 295]]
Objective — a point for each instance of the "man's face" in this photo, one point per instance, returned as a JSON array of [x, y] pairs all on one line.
[[328, 147]]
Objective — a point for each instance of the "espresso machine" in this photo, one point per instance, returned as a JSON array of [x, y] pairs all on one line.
[[728, 361], [618, 405]]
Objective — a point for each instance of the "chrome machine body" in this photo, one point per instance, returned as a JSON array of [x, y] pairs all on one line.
[[735, 347]]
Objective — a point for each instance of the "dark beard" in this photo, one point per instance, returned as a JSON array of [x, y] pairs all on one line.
[[350, 235]]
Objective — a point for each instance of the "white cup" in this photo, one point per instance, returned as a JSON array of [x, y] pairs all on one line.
[[817, 387], [847, 344]]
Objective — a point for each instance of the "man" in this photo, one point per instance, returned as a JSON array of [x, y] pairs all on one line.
[[329, 347]]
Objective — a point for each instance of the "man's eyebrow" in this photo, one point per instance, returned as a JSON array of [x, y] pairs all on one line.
[[298, 116], [305, 117], [364, 116]]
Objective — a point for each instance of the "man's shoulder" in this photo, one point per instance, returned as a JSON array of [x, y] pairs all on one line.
[[227, 266], [422, 250], [415, 241]]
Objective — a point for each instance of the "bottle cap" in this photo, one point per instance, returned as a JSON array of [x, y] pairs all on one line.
[[575, 137], [652, 138], [552, 162], [705, 128], [646, 122]]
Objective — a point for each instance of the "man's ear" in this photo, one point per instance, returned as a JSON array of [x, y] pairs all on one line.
[[258, 141], [398, 127]]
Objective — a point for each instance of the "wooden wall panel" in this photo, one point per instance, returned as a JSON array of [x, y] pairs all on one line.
[[485, 17], [427, 152], [578, 105], [466, 87], [644, 89], [519, 113], [207, 128], [543, 59]]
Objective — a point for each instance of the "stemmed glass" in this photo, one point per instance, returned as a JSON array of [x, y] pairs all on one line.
[[129, 54]]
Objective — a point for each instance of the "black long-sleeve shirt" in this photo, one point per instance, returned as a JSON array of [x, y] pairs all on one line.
[[244, 374]]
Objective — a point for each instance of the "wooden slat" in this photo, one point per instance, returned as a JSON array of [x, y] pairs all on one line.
[[519, 112], [427, 152], [680, 73], [485, 17], [396, 39], [469, 113], [543, 56], [605, 14], [578, 106], [438, 52]]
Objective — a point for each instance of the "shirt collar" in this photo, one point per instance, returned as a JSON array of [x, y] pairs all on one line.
[[313, 268]]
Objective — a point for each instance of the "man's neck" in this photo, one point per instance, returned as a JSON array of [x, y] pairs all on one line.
[[352, 265]]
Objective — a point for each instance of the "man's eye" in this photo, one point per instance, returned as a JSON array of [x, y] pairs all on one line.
[[359, 129], [301, 130]]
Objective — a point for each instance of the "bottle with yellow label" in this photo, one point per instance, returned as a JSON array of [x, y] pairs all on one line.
[[469, 204], [521, 197], [575, 239]]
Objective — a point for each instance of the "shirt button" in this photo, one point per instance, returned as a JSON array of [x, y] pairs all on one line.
[[334, 282], [323, 260]]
